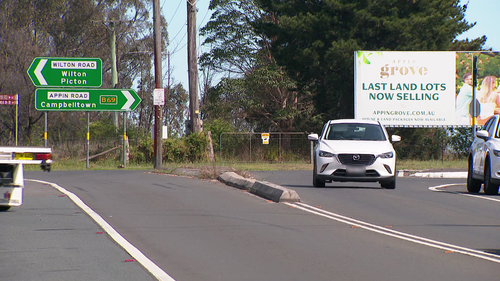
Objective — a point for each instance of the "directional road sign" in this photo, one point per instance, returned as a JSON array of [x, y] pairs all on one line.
[[66, 72], [86, 99]]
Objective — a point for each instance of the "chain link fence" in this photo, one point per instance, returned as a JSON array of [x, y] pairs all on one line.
[[265, 147]]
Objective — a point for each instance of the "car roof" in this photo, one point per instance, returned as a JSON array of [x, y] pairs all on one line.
[[353, 121]]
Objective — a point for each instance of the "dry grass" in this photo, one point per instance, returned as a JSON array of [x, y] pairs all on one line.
[[208, 169]]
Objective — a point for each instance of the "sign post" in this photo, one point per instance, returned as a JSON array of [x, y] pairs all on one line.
[[66, 72], [86, 99]]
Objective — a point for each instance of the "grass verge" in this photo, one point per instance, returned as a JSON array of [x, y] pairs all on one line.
[[66, 165]]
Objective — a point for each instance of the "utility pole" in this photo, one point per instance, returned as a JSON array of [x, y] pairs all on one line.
[[194, 107], [158, 85], [110, 25], [114, 71]]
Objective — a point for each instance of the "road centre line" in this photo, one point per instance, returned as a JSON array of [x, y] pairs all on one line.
[[396, 234], [437, 189], [149, 265]]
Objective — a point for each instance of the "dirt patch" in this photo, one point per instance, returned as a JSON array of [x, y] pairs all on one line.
[[207, 172]]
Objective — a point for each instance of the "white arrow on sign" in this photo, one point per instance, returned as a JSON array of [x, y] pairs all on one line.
[[38, 72], [130, 100]]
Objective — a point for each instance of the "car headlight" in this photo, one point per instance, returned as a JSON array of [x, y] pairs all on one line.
[[326, 154], [386, 155], [496, 153]]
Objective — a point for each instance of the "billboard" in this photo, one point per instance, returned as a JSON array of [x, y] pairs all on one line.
[[424, 88]]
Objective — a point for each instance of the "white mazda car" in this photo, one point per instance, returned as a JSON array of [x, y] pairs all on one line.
[[354, 150], [484, 159]]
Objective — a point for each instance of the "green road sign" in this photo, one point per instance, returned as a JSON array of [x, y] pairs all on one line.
[[66, 72], [86, 99]]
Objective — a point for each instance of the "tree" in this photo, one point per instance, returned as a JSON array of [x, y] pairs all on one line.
[[74, 28], [315, 40], [256, 93], [15, 47], [175, 110]]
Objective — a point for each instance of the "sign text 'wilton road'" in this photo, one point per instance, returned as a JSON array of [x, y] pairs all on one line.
[[74, 65]]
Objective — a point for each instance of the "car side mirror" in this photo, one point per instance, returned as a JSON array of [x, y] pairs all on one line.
[[395, 138], [482, 134], [313, 137]]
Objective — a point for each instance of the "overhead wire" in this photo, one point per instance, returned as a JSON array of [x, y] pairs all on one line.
[[176, 9]]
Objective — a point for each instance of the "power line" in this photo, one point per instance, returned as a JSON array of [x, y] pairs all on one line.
[[180, 32], [178, 5]]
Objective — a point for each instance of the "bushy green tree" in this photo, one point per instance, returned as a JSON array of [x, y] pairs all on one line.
[[72, 28], [315, 40], [255, 93], [175, 110]]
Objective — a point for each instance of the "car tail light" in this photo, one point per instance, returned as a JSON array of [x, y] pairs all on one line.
[[43, 156]]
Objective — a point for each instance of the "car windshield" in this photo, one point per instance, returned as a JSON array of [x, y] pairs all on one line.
[[355, 131]]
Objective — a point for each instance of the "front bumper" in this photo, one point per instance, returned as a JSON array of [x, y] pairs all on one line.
[[380, 170], [495, 168]]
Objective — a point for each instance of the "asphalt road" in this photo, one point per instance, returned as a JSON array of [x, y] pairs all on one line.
[[50, 238], [203, 230]]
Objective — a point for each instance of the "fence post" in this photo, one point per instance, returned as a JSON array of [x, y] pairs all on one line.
[[250, 156], [220, 146], [279, 148]]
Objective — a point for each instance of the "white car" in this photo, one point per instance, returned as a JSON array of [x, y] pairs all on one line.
[[484, 159], [354, 150]]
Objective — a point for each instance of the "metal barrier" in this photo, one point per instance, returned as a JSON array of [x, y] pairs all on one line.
[[265, 147]]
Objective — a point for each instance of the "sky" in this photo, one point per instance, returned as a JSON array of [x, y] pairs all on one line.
[[483, 12], [175, 13]]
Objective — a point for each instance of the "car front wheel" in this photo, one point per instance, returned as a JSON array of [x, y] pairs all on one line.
[[489, 187], [389, 184], [317, 182], [473, 185]]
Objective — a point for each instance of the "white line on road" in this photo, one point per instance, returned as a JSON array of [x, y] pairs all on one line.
[[397, 234], [437, 189], [149, 265]]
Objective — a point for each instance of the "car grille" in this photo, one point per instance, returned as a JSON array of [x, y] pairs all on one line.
[[343, 173], [356, 159]]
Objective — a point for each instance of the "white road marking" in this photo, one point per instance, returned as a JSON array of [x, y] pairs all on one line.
[[397, 234], [149, 265], [437, 189]]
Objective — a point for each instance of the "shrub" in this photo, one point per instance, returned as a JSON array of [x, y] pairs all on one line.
[[143, 152], [175, 150], [197, 145]]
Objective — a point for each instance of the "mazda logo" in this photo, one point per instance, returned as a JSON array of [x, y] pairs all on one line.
[[356, 157]]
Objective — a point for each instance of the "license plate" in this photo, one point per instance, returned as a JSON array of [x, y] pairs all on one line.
[[23, 156], [356, 170]]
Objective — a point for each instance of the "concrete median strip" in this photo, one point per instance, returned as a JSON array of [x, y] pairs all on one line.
[[278, 193], [431, 174], [263, 189]]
